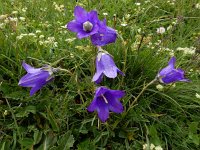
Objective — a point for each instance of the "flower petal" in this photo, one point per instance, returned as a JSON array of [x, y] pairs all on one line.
[[120, 72], [80, 14], [29, 80], [74, 26], [93, 17], [93, 105], [173, 76], [113, 103], [117, 93], [110, 69], [35, 89], [30, 69], [172, 62], [104, 38], [97, 78], [100, 91], [102, 110]]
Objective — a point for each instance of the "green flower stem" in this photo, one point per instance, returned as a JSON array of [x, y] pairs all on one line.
[[132, 104], [15, 121], [144, 88], [65, 70]]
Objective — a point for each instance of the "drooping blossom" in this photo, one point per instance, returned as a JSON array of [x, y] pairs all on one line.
[[105, 65], [170, 74], [104, 36], [35, 78], [85, 23], [104, 100]]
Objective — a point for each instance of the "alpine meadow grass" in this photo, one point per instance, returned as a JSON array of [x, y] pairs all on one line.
[[99, 75]]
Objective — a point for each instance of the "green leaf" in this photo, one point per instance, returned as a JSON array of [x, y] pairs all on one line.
[[27, 143], [37, 136], [52, 120], [24, 112], [49, 141], [66, 141], [86, 145]]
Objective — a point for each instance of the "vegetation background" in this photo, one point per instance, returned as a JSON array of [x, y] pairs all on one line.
[[56, 118]]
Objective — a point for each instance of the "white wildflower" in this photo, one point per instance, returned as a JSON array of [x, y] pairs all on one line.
[[24, 9], [55, 44], [69, 40], [13, 19], [197, 96], [5, 113], [186, 50], [127, 16], [71, 55], [158, 148], [144, 146], [160, 87], [41, 42], [22, 18], [6, 20], [197, 6], [38, 31], [41, 36], [2, 25], [24, 34], [2, 17], [124, 24], [105, 14], [160, 30], [51, 39], [137, 4], [31, 34], [14, 12], [19, 37], [152, 146]]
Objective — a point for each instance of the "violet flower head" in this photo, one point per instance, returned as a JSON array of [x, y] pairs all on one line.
[[105, 65], [35, 78], [105, 100], [104, 36], [170, 74], [85, 23]]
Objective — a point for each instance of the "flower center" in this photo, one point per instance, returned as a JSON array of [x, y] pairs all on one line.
[[106, 101], [87, 26]]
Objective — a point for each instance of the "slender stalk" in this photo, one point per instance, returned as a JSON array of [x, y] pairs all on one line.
[[65, 70], [135, 100], [144, 88], [15, 121]]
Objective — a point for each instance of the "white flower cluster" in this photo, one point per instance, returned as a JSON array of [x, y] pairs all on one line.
[[160, 30], [152, 147], [197, 6], [26, 35], [187, 50], [59, 8], [197, 96], [48, 41]]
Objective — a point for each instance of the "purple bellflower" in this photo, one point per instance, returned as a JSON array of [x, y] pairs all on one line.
[[104, 36], [105, 65], [85, 23], [35, 78], [169, 74], [105, 100]]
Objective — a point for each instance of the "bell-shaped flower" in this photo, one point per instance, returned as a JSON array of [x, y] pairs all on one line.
[[104, 36], [35, 78], [105, 65], [170, 74], [104, 100], [85, 23]]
